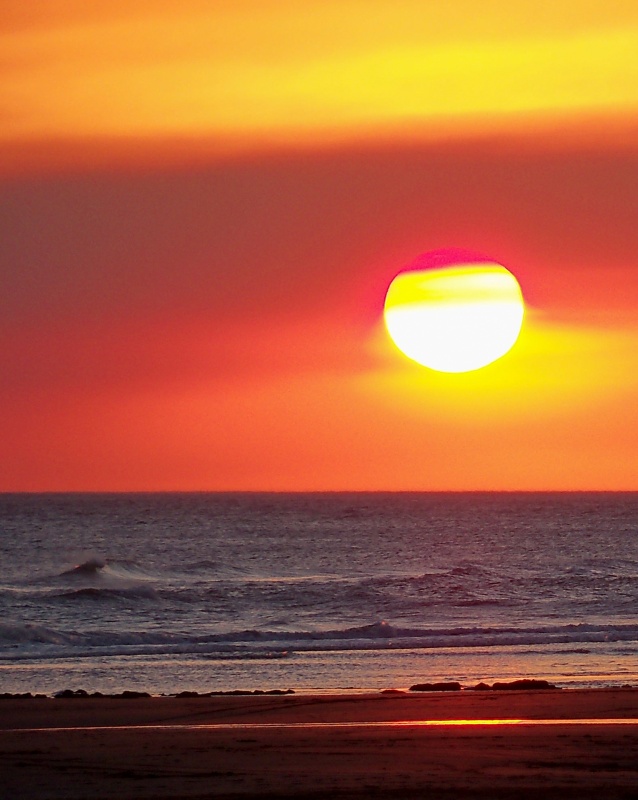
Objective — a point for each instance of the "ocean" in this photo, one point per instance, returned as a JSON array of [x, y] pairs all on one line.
[[316, 592]]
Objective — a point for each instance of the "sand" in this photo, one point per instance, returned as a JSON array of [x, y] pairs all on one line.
[[86, 748]]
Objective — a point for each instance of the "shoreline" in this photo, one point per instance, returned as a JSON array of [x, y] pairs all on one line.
[[519, 684], [289, 706], [322, 746]]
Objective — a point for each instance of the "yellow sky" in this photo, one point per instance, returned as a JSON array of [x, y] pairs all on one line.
[[312, 69]]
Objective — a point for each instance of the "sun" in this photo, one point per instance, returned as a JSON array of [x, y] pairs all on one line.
[[453, 313]]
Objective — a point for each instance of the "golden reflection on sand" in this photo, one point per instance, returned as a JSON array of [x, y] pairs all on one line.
[[419, 723]]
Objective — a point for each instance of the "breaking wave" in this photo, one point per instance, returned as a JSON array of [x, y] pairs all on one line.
[[90, 567], [105, 570], [100, 594], [376, 636]]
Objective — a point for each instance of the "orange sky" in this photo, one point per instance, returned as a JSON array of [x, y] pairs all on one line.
[[204, 203]]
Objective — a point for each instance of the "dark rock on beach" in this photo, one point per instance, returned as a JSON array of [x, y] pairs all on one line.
[[249, 692], [125, 695], [524, 684], [445, 686]]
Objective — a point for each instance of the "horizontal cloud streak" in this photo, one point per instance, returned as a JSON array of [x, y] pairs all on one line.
[[256, 70]]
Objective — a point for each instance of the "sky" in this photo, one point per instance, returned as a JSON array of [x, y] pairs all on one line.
[[204, 203]]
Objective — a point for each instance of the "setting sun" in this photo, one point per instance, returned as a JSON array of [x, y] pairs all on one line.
[[455, 318]]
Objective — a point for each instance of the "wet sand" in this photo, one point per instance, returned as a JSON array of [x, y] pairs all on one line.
[[262, 746]]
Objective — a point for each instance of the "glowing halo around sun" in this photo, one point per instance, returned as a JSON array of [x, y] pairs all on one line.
[[454, 313]]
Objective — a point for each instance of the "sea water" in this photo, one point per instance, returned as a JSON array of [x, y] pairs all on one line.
[[216, 592]]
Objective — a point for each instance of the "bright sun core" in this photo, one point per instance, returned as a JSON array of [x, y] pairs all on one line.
[[454, 318]]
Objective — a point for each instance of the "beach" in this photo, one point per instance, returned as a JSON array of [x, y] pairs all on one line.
[[176, 624], [501, 744]]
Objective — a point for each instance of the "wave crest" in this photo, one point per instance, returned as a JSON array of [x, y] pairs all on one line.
[[374, 636]]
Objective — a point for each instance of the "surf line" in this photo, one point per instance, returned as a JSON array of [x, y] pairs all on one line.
[[419, 723]]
